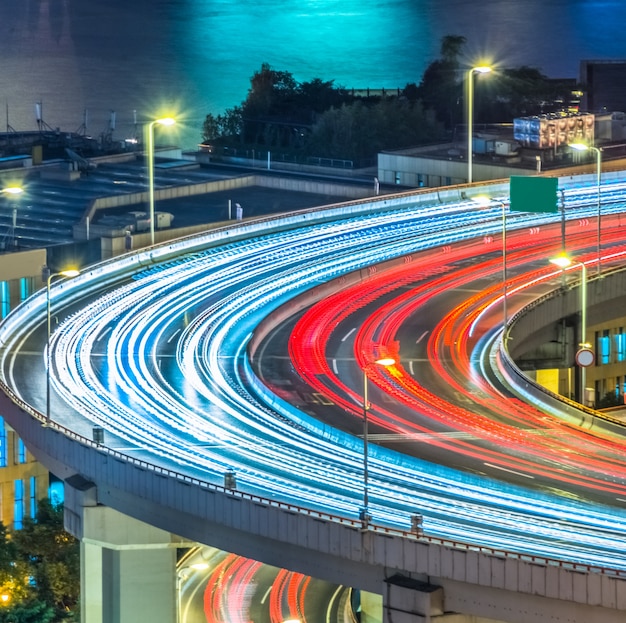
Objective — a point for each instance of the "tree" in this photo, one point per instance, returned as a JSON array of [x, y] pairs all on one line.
[[520, 92], [359, 131], [28, 612], [226, 126], [51, 558], [210, 128], [451, 46], [270, 90], [441, 88]]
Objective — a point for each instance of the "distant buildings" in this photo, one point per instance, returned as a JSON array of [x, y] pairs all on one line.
[[603, 86]]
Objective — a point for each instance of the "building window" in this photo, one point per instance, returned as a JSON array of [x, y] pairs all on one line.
[[620, 344], [20, 451], [18, 504], [25, 288], [33, 496], [603, 347], [3, 444], [55, 491], [5, 298]]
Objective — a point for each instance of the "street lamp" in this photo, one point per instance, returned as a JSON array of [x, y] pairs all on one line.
[[584, 355], [364, 513], [584, 147], [15, 192], [166, 121], [68, 274], [486, 201], [481, 69]]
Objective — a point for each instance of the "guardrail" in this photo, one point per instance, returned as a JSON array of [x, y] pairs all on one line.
[[515, 372], [161, 253], [293, 508]]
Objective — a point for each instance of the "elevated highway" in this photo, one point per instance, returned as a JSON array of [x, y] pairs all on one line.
[[178, 410]]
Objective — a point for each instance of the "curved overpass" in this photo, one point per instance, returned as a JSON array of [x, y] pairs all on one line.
[[299, 485]]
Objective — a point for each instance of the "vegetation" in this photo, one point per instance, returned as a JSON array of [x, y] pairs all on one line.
[[39, 570], [319, 119], [610, 399]]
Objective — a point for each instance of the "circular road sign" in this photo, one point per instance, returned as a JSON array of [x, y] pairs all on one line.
[[585, 357]]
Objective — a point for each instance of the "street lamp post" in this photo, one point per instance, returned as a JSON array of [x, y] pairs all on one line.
[[15, 192], [67, 274], [166, 121], [584, 147], [470, 115], [485, 202], [364, 515], [584, 355]]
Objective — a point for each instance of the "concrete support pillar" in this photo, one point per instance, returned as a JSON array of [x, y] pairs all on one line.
[[371, 608], [128, 583], [407, 600], [91, 583], [128, 568]]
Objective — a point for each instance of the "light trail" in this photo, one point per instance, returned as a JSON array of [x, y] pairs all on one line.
[[186, 397]]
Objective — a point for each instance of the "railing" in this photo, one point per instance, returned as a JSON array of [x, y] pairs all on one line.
[[349, 522], [528, 381], [293, 508]]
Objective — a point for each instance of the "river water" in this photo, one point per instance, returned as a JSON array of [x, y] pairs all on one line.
[[82, 59]]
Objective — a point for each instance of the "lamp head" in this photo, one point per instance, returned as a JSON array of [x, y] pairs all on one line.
[[485, 201], [482, 69], [579, 146], [72, 272], [13, 190], [166, 121], [562, 261]]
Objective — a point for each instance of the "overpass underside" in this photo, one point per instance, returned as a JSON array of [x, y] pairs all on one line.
[[128, 567]]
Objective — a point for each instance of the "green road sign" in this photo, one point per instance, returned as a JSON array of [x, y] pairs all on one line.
[[534, 194]]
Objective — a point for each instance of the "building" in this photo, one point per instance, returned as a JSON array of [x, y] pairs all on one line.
[[603, 83], [530, 146], [23, 480]]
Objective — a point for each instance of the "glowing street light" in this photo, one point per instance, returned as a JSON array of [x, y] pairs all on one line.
[[68, 274], [481, 69], [166, 121], [13, 190], [584, 355], [364, 515], [584, 147]]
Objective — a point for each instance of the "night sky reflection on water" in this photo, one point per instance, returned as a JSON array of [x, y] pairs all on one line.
[[192, 57]]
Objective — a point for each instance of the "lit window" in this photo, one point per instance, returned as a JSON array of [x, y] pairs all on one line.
[[3, 444], [25, 288], [18, 504], [33, 496], [20, 451], [5, 298], [55, 491], [603, 347], [620, 344]]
